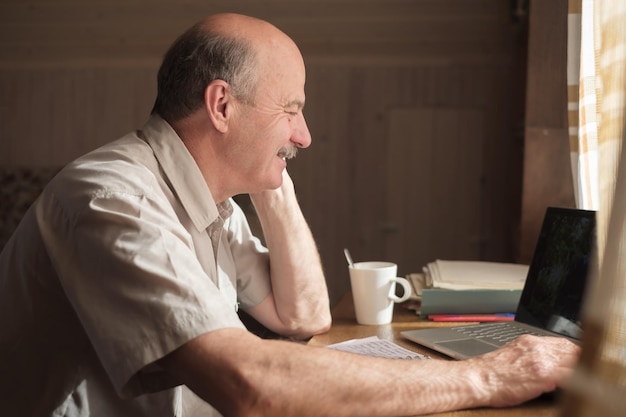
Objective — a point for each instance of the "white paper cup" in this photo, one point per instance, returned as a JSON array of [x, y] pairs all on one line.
[[374, 291]]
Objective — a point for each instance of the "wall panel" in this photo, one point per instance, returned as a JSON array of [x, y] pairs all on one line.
[[547, 179]]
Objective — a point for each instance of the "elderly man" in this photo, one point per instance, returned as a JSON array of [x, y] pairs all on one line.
[[120, 288]]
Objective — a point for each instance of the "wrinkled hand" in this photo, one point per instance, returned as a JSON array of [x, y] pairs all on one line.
[[526, 368]]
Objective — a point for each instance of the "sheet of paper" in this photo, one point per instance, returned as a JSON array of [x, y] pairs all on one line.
[[375, 346]]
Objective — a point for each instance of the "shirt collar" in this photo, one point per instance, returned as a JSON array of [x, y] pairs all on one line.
[[183, 173]]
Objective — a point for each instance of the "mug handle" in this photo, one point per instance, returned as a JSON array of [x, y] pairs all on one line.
[[405, 285]]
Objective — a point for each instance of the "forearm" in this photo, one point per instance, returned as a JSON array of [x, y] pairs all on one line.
[[288, 379], [357, 385], [298, 283]]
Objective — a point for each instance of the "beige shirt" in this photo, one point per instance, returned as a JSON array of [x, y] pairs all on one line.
[[123, 258]]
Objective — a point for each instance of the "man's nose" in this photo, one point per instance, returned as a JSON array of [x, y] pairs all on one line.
[[301, 136]]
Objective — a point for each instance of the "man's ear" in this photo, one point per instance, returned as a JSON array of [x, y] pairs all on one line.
[[218, 102]]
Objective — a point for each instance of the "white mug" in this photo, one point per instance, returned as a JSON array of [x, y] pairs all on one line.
[[374, 291]]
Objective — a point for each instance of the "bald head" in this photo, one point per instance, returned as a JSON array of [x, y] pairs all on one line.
[[237, 25], [234, 48]]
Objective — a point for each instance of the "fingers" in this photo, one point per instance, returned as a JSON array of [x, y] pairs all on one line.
[[528, 367]]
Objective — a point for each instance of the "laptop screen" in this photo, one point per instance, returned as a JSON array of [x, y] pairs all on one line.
[[557, 276]]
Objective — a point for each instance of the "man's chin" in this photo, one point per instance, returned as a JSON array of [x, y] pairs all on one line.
[[272, 184], [276, 184], [272, 179]]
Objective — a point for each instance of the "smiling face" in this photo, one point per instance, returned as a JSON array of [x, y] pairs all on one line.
[[271, 129]]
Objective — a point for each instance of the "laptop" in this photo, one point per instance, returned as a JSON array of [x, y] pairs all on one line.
[[551, 299]]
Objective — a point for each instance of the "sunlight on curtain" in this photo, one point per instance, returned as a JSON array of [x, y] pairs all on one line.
[[581, 105], [598, 387], [595, 102]]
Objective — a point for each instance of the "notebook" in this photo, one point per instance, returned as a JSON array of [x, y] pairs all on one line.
[[551, 299]]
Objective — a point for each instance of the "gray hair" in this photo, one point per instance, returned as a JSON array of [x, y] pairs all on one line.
[[197, 58]]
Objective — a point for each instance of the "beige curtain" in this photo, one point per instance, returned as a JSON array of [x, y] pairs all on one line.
[[597, 118]]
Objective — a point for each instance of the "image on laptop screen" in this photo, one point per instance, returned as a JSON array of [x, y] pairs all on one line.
[[552, 299]]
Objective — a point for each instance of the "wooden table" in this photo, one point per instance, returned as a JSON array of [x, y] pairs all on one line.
[[345, 327]]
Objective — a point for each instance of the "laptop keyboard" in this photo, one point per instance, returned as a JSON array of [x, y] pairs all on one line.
[[497, 333]]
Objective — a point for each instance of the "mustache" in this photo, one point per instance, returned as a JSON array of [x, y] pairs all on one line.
[[288, 152]]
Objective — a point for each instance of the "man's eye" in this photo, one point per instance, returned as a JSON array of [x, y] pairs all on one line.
[[292, 113]]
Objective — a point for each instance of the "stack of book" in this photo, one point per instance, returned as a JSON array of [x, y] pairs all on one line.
[[468, 287]]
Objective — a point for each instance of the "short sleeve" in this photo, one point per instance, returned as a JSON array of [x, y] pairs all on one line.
[[129, 270]]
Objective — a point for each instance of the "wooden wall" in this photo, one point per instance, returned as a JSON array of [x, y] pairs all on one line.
[[547, 173], [415, 107]]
